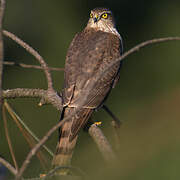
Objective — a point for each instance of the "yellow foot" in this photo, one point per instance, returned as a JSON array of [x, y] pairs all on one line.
[[98, 123], [42, 175], [40, 104]]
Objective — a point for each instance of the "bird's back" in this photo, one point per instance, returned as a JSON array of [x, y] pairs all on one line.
[[89, 53]]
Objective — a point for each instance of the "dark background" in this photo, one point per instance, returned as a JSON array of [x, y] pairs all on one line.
[[146, 97]]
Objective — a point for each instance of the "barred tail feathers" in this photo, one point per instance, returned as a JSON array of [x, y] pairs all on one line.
[[69, 134]]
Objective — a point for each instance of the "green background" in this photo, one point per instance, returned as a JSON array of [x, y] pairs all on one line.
[[146, 99]]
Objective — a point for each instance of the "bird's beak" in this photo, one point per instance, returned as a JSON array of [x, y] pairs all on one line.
[[96, 18]]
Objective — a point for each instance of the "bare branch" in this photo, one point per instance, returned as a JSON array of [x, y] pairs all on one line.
[[8, 165], [147, 43], [23, 126], [2, 9], [102, 143], [10, 63], [48, 97], [8, 138], [137, 48], [34, 53], [29, 139]]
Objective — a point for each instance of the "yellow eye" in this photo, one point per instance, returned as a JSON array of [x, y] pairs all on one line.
[[91, 15], [105, 15]]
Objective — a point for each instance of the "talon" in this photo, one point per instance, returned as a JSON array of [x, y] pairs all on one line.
[[40, 104], [42, 175], [98, 123]]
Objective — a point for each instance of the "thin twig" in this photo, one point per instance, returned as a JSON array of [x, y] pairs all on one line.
[[19, 121], [102, 143], [2, 9], [8, 138], [8, 166], [34, 53], [26, 134], [54, 170], [116, 122], [133, 50], [10, 63]]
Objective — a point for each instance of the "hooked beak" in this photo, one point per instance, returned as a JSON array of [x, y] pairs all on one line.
[[96, 18]]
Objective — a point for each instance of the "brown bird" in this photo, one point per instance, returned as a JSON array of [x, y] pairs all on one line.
[[89, 53]]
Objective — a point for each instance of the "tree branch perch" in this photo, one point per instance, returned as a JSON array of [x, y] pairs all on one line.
[[102, 143], [48, 97]]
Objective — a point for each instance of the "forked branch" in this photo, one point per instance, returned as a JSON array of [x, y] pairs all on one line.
[[8, 166], [35, 54]]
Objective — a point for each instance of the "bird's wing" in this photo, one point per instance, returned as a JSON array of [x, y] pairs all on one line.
[[89, 53]]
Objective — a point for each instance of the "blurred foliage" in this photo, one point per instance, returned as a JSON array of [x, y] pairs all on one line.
[[147, 97]]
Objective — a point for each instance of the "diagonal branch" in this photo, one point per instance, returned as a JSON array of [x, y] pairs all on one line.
[[2, 9], [22, 126], [147, 43], [30, 140], [10, 63], [135, 49], [116, 123], [34, 53], [102, 143], [8, 165]]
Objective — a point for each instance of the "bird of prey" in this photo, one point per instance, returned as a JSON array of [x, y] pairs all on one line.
[[90, 52]]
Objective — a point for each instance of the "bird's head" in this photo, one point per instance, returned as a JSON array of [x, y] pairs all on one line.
[[101, 19]]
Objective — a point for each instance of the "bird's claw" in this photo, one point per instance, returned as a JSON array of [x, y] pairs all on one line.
[[98, 123]]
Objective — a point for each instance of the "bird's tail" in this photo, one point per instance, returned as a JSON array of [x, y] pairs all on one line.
[[68, 135]]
